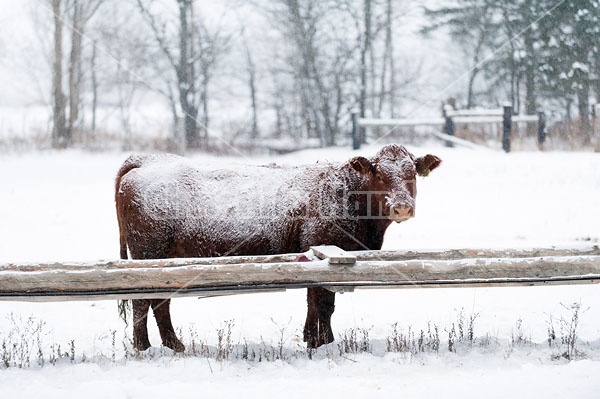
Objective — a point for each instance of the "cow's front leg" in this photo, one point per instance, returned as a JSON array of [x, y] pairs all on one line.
[[140, 328], [162, 314], [317, 329]]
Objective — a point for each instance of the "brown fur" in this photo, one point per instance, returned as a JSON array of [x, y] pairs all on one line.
[[336, 212]]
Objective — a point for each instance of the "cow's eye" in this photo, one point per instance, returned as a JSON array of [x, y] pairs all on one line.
[[379, 178]]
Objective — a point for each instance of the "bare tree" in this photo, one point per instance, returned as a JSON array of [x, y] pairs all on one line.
[[251, 69], [470, 25], [192, 57], [303, 20], [74, 14], [81, 13], [316, 68]]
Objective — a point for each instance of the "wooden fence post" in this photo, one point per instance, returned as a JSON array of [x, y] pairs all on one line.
[[541, 129], [356, 139], [449, 124], [506, 127]]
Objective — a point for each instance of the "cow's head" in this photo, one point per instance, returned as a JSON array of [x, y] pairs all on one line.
[[391, 180]]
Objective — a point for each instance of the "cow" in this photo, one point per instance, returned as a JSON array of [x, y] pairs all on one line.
[[167, 207]]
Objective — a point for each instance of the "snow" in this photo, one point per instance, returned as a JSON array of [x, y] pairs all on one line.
[[583, 67], [59, 206]]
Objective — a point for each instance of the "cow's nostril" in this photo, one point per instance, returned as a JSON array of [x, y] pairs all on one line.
[[401, 213]]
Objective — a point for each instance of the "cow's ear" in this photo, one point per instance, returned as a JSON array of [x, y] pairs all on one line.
[[361, 165], [426, 164]]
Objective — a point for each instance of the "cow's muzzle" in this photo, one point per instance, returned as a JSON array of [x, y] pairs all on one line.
[[401, 213]]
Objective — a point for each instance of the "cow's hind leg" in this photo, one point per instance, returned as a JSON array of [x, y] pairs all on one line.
[[317, 329], [140, 328], [162, 314]]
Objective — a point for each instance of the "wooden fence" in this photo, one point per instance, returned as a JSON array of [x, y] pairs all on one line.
[[337, 270], [448, 121]]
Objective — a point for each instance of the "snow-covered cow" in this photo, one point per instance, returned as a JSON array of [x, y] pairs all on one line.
[[168, 208]]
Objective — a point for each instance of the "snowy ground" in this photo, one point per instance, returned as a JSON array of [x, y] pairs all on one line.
[[59, 206]]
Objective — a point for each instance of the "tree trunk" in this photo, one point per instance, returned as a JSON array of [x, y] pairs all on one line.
[[75, 68], [59, 130], [388, 61], [251, 67], [185, 76], [372, 85], [205, 116], [513, 73], [94, 87], [513, 81], [530, 90], [328, 133], [530, 95], [470, 88], [475, 70], [583, 106], [366, 44], [125, 96]]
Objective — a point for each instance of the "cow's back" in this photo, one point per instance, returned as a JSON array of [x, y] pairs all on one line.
[[170, 208]]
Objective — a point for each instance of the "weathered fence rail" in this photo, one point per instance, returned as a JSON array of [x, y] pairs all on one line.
[[371, 269]]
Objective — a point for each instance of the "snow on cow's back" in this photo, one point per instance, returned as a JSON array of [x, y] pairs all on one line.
[[256, 192], [176, 188]]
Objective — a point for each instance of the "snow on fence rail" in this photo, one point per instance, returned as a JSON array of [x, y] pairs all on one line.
[[339, 272], [450, 118]]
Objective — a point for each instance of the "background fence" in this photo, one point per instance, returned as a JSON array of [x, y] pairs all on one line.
[[450, 118]]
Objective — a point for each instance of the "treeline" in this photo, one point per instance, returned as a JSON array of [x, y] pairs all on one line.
[[533, 52], [296, 68]]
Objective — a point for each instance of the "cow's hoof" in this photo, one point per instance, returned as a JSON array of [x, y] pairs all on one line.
[[174, 344], [141, 345], [311, 337], [313, 342]]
